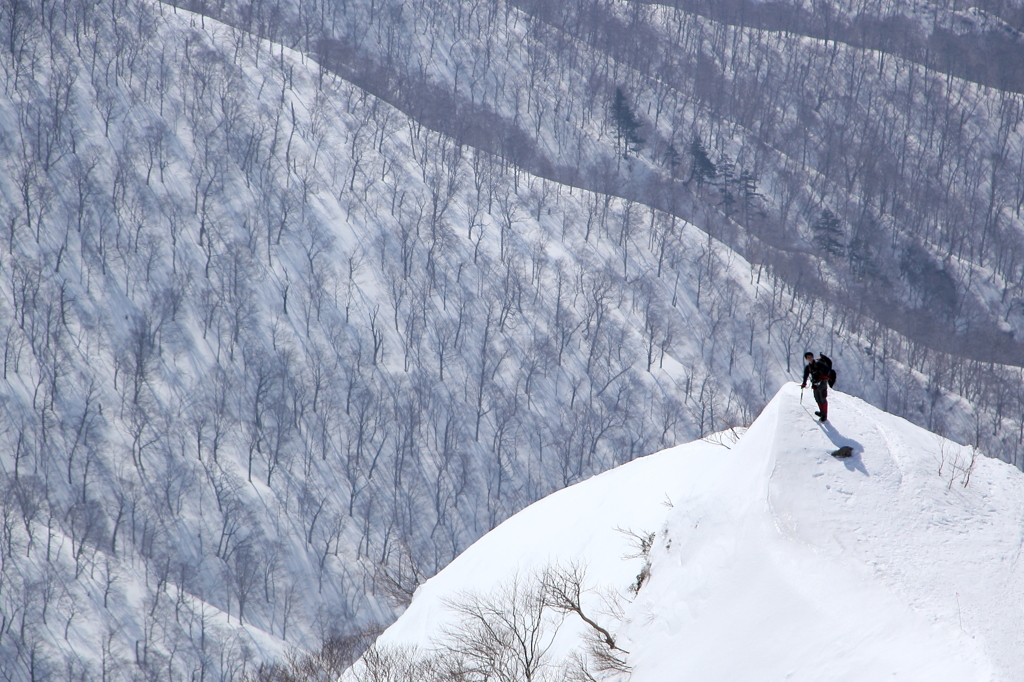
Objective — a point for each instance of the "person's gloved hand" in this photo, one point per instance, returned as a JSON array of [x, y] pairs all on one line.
[[803, 385]]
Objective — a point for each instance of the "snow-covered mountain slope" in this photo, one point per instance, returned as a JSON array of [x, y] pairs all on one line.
[[775, 560], [275, 349]]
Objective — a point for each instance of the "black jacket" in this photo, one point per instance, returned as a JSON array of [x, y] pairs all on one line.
[[817, 371]]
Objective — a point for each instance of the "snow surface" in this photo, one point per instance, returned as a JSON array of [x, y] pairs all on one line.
[[774, 560]]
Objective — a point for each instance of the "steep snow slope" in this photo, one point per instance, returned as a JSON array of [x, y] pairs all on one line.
[[777, 561]]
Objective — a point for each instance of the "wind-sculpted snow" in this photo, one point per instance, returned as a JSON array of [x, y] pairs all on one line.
[[772, 559], [275, 351]]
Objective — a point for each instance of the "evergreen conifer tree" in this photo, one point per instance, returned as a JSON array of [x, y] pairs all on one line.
[[703, 168], [627, 126], [828, 233], [672, 159]]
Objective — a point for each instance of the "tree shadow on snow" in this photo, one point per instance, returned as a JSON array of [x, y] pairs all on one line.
[[854, 461]]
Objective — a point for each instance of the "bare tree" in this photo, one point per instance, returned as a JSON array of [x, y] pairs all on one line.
[[505, 636]]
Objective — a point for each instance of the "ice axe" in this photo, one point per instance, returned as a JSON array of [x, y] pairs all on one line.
[[801, 395]]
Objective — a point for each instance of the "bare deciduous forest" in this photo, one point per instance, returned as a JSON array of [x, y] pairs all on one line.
[[298, 299]]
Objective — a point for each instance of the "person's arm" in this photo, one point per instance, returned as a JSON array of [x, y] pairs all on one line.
[[807, 370]]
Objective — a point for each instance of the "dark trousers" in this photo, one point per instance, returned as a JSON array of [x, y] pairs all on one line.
[[821, 397]]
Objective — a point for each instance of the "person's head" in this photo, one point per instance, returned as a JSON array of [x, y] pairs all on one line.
[[808, 357]]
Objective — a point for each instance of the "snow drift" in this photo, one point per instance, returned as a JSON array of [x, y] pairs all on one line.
[[774, 560]]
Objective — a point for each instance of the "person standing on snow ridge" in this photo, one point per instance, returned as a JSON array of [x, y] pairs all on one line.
[[818, 372]]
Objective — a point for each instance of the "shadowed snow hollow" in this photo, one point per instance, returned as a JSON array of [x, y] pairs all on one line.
[[775, 560]]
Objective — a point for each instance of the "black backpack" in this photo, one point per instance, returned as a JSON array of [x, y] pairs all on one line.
[[831, 372]]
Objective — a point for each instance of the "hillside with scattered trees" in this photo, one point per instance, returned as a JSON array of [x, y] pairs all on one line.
[[300, 299]]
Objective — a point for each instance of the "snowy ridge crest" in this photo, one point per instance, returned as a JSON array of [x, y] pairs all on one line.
[[768, 559]]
